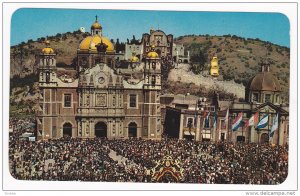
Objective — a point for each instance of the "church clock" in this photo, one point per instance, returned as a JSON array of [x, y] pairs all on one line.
[[101, 80]]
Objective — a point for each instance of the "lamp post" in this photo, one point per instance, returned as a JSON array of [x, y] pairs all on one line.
[[201, 103], [243, 124], [258, 132]]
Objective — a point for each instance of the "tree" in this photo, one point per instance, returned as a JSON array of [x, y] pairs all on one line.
[[199, 58], [118, 46]]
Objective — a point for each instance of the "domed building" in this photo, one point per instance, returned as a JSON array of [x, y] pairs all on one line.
[[90, 47], [99, 99], [264, 87], [263, 98]]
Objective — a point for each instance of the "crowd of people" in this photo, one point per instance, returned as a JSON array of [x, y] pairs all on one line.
[[75, 159], [210, 163]]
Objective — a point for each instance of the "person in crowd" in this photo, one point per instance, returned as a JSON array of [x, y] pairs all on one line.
[[75, 159]]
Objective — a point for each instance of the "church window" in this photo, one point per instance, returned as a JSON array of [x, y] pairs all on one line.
[[153, 81], [190, 122], [255, 97], [84, 61], [267, 98], [97, 61], [47, 77], [67, 100], [153, 65], [132, 100], [277, 98]]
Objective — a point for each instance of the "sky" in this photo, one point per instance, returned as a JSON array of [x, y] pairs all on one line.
[[28, 23]]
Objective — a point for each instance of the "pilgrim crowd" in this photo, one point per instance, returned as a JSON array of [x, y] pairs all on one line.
[[75, 159]]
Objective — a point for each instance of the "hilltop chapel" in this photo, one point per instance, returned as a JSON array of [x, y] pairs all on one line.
[[118, 95]]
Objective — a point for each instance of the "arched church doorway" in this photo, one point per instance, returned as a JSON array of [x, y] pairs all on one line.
[[240, 138], [132, 129], [264, 138], [101, 129], [67, 130]]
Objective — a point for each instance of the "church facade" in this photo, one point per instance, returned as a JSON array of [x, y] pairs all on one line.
[[98, 99]]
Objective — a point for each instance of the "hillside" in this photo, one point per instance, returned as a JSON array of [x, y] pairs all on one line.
[[239, 60], [23, 56]]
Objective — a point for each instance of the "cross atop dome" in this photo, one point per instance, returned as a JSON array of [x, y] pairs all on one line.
[[96, 28]]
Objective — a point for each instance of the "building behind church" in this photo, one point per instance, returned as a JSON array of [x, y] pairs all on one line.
[[118, 95]]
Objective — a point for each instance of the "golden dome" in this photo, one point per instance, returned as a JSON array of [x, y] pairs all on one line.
[[96, 24], [47, 49], [152, 55], [90, 43], [134, 59]]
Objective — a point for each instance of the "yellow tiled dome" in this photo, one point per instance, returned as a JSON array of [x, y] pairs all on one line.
[[152, 55], [47, 49], [96, 24], [90, 43], [134, 59]]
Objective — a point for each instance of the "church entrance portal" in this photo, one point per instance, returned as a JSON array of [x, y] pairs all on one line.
[[67, 130], [264, 138], [101, 129], [240, 138], [132, 130]]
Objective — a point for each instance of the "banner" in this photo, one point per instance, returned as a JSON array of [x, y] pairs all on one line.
[[253, 120], [215, 119], [263, 122], [274, 126], [237, 122]]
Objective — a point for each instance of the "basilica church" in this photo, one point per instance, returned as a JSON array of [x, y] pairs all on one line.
[[98, 98], [118, 95]]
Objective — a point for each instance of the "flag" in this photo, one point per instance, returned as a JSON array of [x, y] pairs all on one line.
[[274, 126], [204, 114], [206, 121], [227, 116], [215, 119], [237, 122], [263, 122], [253, 120], [195, 119]]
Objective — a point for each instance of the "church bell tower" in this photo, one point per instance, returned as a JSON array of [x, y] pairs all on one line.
[[152, 88]]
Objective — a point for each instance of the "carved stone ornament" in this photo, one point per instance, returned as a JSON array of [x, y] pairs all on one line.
[[100, 99]]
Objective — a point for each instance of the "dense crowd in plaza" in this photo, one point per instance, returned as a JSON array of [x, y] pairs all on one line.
[[74, 159]]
